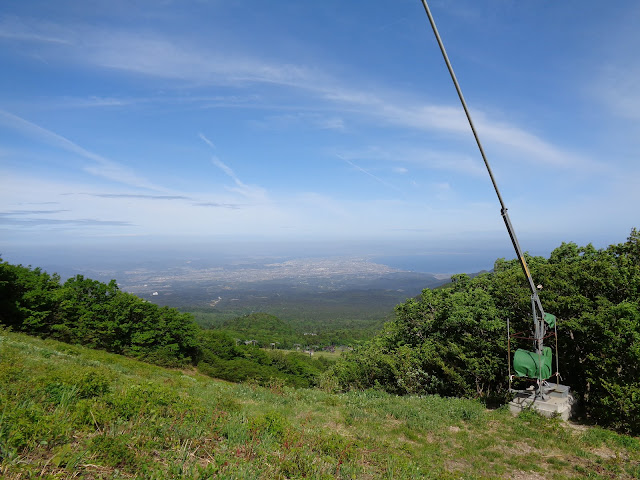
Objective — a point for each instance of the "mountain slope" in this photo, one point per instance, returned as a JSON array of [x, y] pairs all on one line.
[[68, 411]]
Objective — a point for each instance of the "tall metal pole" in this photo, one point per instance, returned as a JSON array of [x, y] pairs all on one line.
[[503, 211]]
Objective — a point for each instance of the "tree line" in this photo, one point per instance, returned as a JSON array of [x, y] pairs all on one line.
[[99, 315], [453, 341]]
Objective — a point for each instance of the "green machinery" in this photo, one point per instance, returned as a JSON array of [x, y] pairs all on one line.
[[536, 364]]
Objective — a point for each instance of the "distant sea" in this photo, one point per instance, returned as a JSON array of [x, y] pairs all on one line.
[[439, 262]]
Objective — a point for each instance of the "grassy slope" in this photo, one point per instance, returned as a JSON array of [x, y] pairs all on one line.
[[67, 411]]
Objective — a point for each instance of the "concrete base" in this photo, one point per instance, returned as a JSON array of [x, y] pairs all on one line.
[[554, 401]]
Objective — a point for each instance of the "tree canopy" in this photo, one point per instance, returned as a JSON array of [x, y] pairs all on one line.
[[96, 314], [453, 341], [101, 316]]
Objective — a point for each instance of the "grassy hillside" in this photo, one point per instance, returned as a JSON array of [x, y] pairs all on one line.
[[71, 412]]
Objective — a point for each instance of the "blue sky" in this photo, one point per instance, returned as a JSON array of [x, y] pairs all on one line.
[[334, 121]]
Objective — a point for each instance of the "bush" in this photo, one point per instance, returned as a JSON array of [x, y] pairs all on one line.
[[95, 314], [452, 341]]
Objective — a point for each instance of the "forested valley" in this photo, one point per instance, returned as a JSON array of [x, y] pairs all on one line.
[[101, 316], [449, 341]]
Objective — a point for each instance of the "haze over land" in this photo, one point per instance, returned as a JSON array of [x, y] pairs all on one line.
[[317, 291]]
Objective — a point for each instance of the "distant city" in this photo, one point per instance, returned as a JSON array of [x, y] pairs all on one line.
[[314, 291], [218, 286]]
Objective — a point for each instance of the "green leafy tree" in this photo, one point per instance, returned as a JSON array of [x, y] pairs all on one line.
[[27, 298], [452, 341]]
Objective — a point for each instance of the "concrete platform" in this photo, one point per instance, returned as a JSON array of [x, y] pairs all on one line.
[[555, 401]]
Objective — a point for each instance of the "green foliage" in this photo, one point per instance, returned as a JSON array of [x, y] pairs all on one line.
[[96, 314], [113, 450], [266, 329], [271, 423], [262, 327], [452, 341], [220, 357], [99, 315], [27, 297], [447, 341], [336, 318]]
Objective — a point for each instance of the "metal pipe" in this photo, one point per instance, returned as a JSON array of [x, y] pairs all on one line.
[[464, 104], [505, 215], [509, 351]]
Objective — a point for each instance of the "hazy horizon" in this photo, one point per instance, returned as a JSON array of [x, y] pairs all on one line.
[[462, 254], [322, 128]]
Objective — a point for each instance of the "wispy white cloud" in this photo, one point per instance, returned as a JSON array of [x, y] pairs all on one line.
[[147, 53], [92, 102], [331, 123], [33, 212], [443, 191], [451, 119], [138, 196], [367, 172], [27, 220], [100, 166], [161, 56], [619, 90], [422, 158], [306, 119], [616, 82], [515, 139], [228, 171], [161, 98], [206, 140], [14, 28], [250, 191], [232, 206]]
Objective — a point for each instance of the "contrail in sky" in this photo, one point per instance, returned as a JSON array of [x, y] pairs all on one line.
[[243, 188], [206, 140], [357, 167]]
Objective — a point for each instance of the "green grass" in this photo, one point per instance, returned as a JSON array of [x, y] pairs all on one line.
[[71, 412]]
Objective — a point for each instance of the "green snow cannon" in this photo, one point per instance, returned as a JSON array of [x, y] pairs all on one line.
[[531, 365]]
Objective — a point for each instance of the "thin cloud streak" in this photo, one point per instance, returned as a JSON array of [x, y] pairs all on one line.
[[206, 140], [451, 119], [138, 196], [13, 28], [35, 222], [421, 158], [229, 172], [366, 172], [32, 212], [103, 167], [138, 53], [243, 188], [232, 206]]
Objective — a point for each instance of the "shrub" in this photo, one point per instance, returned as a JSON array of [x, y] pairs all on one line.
[[452, 341]]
